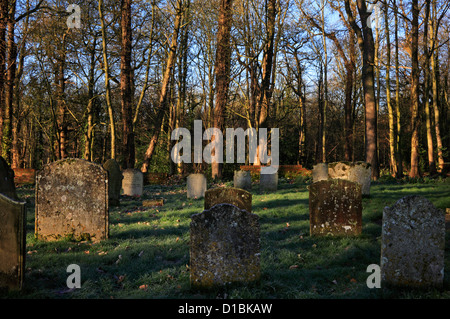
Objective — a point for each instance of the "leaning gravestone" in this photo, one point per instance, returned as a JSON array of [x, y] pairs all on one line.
[[268, 182], [360, 172], [7, 186], [132, 182], [72, 201], [229, 195], [413, 244], [196, 185], [12, 243], [114, 181], [225, 247], [320, 172], [335, 208], [242, 179]]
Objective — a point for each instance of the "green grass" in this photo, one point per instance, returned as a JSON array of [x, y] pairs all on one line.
[[147, 253]]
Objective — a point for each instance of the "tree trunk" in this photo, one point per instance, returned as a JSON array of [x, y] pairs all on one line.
[[222, 73], [128, 147], [392, 151], [397, 98], [414, 171], [163, 104]]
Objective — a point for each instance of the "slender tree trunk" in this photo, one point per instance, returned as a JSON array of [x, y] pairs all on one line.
[[10, 128], [163, 104], [3, 115], [128, 147], [107, 85], [414, 171], [60, 102], [222, 73], [397, 97], [89, 135]]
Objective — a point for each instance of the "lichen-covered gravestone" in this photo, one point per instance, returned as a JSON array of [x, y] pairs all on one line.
[[242, 179], [72, 201], [335, 208], [320, 172], [7, 186], [268, 182], [196, 185], [413, 244], [132, 182], [230, 195], [360, 172], [114, 181], [12, 243], [224, 247]]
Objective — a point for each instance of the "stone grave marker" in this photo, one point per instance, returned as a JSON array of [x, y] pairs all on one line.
[[360, 172], [114, 181], [196, 185], [12, 243], [268, 182], [242, 179], [72, 201], [412, 244], [230, 195], [132, 182], [335, 208], [224, 247], [320, 172], [7, 186]]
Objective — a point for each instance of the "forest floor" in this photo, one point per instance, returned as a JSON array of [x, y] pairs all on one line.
[[147, 252]]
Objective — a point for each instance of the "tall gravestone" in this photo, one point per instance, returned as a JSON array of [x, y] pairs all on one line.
[[224, 247], [114, 181], [72, 201], [359, 172], [230, 195], [196, 185], [335, 208], [320, 172], [132, 182], [242, 179], [412, 244], [268, 182], [7, 186], [12, 243]]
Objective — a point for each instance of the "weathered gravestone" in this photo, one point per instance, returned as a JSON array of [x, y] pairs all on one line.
[[224, 247], [320, 172], [412, 244], [335, 208], [242, 179], [114, 181], [268, 182], [12, 243], [7, 186], [132, 182], [196, 185], [229, 195], [72, 201], [360, 172]]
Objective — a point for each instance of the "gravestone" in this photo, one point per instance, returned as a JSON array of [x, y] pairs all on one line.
[[360, 172], [196, 185], [12, 243], [320, 172], [229, 195], [7, 186], [132, 182], [114, 181], [72, 201], [412, 244], [268, 182], [224, 247], [335, 208], [242, 179]]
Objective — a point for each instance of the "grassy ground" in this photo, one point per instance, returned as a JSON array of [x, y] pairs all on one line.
[[147, 253]]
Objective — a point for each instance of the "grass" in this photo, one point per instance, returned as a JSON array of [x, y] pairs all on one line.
[[147, 253]]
